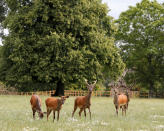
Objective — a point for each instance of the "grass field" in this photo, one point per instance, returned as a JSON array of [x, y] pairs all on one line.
[[142, 115]]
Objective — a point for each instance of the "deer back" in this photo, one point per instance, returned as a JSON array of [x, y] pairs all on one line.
[[82, 101], [51, 102], [55, 103], [35, 102], [122, 99]]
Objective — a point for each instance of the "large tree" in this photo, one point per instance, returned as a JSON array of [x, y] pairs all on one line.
[[54, 43], [141, 38], [3, 11]]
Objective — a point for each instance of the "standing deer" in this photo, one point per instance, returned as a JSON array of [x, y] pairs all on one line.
[[120, 101], [36, 105], [84, 102], [54, 104], [121, 98]]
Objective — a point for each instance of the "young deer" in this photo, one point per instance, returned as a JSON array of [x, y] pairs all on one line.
[[36, 105], [54, 104], [84, 102], [120, 101]]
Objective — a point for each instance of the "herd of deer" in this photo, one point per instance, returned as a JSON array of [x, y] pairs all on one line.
[[121, 101]]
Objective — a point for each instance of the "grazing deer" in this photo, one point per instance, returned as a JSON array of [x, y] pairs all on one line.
[[120, 101], [54, 104], [36, 105], [84, 102]]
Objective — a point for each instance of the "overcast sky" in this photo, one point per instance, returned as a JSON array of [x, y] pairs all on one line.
[[118, 6]]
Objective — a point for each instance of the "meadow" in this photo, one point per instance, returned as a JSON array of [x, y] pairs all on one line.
[[142, 115]]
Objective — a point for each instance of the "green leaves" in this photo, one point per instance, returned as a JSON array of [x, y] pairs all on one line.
[[53, 41], [141, 29]]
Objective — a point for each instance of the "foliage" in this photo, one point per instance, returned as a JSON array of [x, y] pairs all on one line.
[[3, 10], [58, 41], [140, 37]]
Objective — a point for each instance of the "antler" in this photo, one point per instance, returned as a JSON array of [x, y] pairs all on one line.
[[124, 73], [86, 81], [112, 84], [94, 82], [132, 85]]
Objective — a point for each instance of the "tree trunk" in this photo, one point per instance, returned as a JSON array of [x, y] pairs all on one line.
[[59, 90]]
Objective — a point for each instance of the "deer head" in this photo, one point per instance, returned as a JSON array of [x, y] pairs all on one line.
[[90, 86], [116, 90], [40, 114], [63, 98]]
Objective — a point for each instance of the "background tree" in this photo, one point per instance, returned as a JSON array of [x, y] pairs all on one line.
[[52, 44], [3, 11], [141, 38]]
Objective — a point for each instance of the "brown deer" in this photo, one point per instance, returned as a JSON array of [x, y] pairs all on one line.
[[36, 105], [120, 101], [54, 104], [84, 102], [122, 98]]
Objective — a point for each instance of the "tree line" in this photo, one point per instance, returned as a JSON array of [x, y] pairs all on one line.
[[58, 44]]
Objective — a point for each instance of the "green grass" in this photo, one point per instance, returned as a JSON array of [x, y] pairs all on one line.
[[142, 115]]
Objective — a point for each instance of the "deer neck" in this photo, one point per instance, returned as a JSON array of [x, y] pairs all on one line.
[[89, 97], [38, 106], [59, 104], [116, 99]]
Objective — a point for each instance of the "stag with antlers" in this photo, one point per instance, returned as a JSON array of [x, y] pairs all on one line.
[[121, 94], [120, 101], [84, 102]]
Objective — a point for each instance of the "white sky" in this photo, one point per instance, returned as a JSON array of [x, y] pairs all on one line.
[[118, 6]]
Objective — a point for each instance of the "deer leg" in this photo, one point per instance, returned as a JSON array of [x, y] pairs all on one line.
[[122, 107], [54, 115], [81, 109], [84, 112], [74, 111], [58, 115], [33, 110], [48, 113], [125, 109], [116, 109], [89, 112]]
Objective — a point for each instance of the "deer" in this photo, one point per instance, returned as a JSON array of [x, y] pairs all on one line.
[[36, 106], [54, 104], [84, 102], [120, 101]]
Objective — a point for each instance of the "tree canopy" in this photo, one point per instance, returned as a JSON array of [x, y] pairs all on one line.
[[3, 10], [58, 42], [141, 39]]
